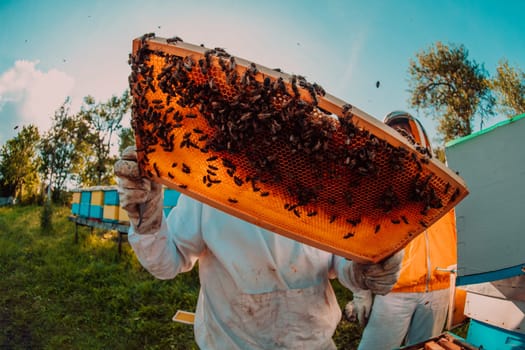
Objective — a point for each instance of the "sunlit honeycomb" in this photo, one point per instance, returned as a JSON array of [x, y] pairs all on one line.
[[257, 144]]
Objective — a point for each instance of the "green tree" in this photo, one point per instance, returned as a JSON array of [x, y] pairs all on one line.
[[103, 121], [19, 164], [509, 86], [451, 88], [61, 150], [127, 138]]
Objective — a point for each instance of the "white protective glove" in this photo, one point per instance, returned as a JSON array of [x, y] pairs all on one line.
[[359, 308], [378, 278], [140, 197]]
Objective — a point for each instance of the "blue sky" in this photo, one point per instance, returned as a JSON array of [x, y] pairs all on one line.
[[53, 49]]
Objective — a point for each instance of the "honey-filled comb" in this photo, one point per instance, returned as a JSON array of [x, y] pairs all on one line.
[[278, 151]]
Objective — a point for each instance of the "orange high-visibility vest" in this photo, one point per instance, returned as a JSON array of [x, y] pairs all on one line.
[[432, 249]]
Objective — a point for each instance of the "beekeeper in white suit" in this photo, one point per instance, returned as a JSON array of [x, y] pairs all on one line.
[[259, 290]]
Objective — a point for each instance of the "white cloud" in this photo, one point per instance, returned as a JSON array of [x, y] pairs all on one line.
[[34, 93]]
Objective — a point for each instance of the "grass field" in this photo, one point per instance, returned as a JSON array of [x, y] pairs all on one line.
[[58, 294]]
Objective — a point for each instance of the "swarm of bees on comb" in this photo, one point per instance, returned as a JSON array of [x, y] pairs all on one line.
[[278, 151]]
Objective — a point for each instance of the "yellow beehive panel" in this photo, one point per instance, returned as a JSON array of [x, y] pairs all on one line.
[[111, 213], [76, 197], [277, 151], [122, 215], [97, 198]]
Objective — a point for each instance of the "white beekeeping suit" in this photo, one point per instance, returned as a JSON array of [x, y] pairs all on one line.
[[259, 290]]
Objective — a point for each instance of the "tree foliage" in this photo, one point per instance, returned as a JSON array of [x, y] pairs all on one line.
[[451, 88], [127, 138], [102, 121], [62, 150], [19, 164], [509, 86]]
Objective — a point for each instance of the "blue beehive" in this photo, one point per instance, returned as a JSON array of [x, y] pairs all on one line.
[[111, 197], [171, 197], [85, 204], [485, 336]]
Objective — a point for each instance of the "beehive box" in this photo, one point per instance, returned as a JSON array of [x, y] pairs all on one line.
[[85, 203], [171, 197], [111, 196], [122, 215], [75, 203], [96, 210], [110, 213], [490, 221], [279, 152]]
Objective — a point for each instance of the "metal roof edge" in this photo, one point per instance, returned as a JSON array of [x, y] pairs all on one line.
[[484, 131]]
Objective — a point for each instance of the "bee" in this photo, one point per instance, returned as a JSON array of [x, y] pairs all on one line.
[[395, 221], [173, 40], [311, 213], [253, 68], [333, 218], [232, 200], [183, 186], [223, 65], [212, 158], [203, 67], [238, 181], [233, 64], [348, 235], [454, 195], [186, 169], [346, 108], [404, 218], [353, 222], [296, 213], [170, 175], [422, 223], [157, 171], [319, 90], [265, 194], [213, 181], [173, 165], [378, 227], [188, 63]]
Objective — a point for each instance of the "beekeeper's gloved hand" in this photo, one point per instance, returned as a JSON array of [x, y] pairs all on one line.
[[380, 277], [359, 308], [140, 197]]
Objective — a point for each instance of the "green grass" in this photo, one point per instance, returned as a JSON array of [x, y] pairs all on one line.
[[58, 294]]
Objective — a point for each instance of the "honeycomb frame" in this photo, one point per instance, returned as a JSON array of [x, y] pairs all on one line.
[[279, 152]]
